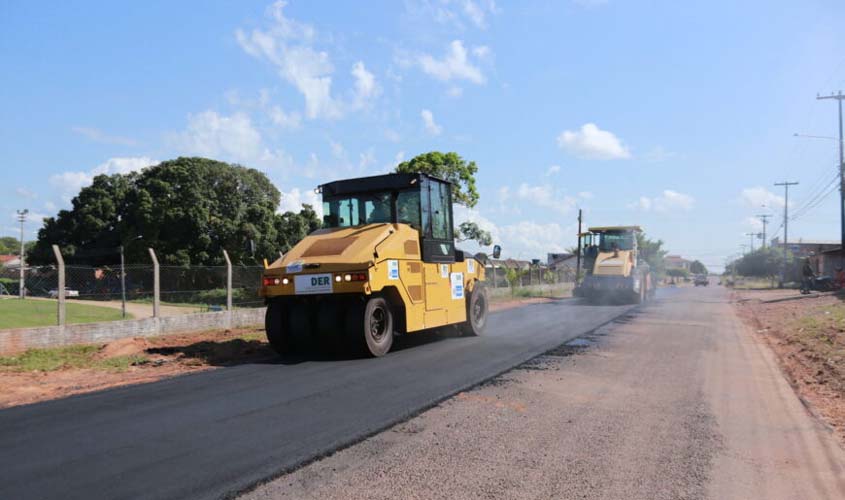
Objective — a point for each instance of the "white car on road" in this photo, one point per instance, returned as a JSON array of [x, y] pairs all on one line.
[[54, 293]]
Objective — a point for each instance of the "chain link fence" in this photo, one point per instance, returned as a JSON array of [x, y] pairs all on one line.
[[497, 275], [115, 292]]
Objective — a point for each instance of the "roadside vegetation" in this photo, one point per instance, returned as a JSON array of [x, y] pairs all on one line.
[[808, 337], [16, 313], [58, 358]]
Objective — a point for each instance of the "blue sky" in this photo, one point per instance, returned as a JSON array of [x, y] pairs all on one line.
[[678, 116]]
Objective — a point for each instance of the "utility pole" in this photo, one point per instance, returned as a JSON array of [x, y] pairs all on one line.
[[839, 97], [578, 255], [22, 283], [751, 237], [785, 185], [765, 220]]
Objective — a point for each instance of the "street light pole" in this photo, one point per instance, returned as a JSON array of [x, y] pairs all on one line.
[[22, 283]]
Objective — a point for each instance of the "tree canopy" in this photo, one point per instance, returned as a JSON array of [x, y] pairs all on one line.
[[187, 209], [696, 267], [448, 166], [653, 253], [471, 231], [765, 263]]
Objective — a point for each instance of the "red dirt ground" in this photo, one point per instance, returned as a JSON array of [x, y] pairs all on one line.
[[813, 359], [165, 356]]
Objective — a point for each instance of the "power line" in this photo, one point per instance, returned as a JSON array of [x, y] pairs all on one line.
[[807, 208], [817, 188]]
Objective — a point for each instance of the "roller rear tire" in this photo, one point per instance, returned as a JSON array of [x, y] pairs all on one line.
[[275, 326]]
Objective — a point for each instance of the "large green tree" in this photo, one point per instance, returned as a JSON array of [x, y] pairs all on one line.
[[9, 245], [448, 166], [653, 253], [187, 209], [697, 267]]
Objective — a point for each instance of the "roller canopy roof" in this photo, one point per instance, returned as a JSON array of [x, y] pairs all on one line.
[[387, 182]]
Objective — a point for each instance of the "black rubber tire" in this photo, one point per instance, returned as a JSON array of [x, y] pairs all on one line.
[[301, 327], [376, 327], [477, 307], [329, 328], [275, 327]]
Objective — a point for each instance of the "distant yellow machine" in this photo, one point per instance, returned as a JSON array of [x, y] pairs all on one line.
[[384, 263], [614, 269]]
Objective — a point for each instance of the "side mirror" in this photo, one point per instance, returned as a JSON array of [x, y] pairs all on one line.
[[497, 251]]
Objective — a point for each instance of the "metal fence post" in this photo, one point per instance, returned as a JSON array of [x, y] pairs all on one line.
[[156, 284], [60, 291], [228, 281]]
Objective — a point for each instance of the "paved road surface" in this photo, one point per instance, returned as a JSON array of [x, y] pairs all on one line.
[[210, 434], [678, 401]]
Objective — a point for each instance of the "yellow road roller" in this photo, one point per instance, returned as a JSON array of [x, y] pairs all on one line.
[[615, 271], [383, 264]]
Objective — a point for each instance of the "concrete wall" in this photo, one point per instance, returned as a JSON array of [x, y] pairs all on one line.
[[20, 339]]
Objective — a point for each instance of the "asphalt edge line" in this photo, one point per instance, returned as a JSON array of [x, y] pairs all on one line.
[[414, 413]]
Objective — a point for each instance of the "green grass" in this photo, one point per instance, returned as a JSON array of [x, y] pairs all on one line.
[[16, 313], [57, 358]]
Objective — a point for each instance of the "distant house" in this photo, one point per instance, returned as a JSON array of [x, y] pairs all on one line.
[[10, 261], [801, 247], [826, 262], [676, 262]]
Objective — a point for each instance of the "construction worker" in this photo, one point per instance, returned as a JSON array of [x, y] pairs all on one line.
[[808, 275]]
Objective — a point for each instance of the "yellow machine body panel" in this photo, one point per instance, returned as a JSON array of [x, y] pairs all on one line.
[[619, 263], [371, 259]]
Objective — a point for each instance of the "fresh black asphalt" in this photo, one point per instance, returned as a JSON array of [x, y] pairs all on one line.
[[216, 433]]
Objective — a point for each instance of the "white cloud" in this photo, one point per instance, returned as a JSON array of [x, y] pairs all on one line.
[[293, 200], [668, 201], [98, 135], [553, 170], [455, 91], [454, 12], [545, 196], [586, 195], [123, 165], [590, 142], [288, 45], [283, 119], [529, 239], [366, 87], [455, 65], [430, 125], [69, 183], [481, 51], [219, 136], [756, 197]]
